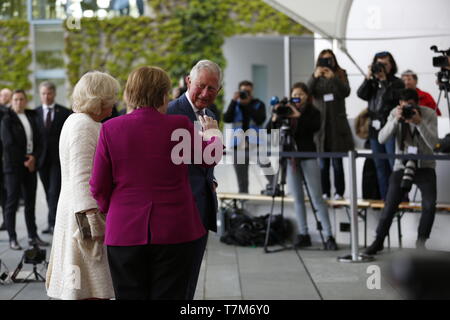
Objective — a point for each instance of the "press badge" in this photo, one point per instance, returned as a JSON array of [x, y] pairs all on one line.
[[376, 124], [328, 97], [412, 150]]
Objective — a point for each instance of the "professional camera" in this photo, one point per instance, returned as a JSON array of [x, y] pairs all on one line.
[[243, 95], [35, 255], [442, 62], [408, 111], [408, 175], [377, 68], [283, 110], [325, 62]]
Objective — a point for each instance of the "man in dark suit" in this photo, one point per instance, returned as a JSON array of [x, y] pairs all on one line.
[[203, 83], [21, 141], [3, 110], [51, 118]]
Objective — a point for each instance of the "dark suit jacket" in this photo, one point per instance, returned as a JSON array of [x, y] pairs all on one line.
[[14, 140], [3, 111], [201, 178], [50, 138]]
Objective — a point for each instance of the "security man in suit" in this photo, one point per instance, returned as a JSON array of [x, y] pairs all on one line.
[[21, 141], [203, 83], [51, 118]]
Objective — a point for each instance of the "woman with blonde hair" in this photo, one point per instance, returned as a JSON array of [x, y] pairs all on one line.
[[78, 267], [153, 227]]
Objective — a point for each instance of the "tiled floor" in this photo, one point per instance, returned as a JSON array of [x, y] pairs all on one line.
[[234, 273]]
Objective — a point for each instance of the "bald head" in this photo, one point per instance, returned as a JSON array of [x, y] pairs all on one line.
[[5, 96]]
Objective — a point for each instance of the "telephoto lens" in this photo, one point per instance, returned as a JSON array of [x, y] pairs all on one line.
[[408, 175]]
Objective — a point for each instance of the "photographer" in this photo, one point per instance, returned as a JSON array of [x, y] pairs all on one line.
[[415, 131], [304, 120], [329, 88], [410, 80], [381, 89], [245, 112]]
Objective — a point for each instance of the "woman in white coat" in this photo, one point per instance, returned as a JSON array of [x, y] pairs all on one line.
[[78, 269]]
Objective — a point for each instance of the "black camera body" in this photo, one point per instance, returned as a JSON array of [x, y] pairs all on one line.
[[442, 62], [325, 62], [377, 68], [35, 255], [243, 95], [283, 111], [408, 111]]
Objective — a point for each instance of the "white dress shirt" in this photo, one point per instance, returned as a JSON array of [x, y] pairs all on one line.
[[28, 131]]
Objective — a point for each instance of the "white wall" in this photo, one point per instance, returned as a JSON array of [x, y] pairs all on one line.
[[242, 52]]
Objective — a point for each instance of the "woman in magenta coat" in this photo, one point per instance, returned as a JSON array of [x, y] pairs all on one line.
[[152, 220]]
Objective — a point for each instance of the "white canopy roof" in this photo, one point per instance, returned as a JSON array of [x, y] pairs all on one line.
[[325, 17]]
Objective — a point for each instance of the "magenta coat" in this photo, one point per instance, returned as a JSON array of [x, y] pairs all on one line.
[[135, 181]]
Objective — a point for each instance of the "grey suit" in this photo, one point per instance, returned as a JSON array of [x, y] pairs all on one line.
[[201, 180]]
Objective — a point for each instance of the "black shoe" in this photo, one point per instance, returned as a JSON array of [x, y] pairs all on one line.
[[331, 244], [303, 240], [376, 246], [420, 244], [37, 241], [14, 245], [3, 227], [49, 230]]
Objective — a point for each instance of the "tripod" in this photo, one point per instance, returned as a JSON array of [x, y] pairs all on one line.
[[444, 88], [287, 144]]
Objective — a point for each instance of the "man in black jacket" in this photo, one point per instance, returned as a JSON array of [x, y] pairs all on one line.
[[245, 112], [204, 83], [51, 118], [21, 141], [3, 110]]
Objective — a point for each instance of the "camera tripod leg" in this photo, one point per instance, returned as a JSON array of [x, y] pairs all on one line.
[[313, 208]]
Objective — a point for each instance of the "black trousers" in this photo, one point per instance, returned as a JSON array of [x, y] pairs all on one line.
[[50, 175], [2, 194], [195, 270], [25, 181], [425, 179], [152, 271], [241, 168], [339, 178]]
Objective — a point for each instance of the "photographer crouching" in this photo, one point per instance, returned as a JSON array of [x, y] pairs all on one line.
[[415, 130], [304, 121]]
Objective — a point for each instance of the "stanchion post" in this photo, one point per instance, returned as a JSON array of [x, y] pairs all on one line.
[[355, 256]]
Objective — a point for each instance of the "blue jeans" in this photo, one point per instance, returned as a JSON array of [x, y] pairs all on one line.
[[339, 178], [383, 166], [311, 172]]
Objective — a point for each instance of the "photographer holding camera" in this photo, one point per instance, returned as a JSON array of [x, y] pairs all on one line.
[[245, 112], [329, 89], [415, 131], [381, 89], [304, 122]]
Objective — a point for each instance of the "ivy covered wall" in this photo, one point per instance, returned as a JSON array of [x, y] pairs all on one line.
[[179, 34], [15, 54]]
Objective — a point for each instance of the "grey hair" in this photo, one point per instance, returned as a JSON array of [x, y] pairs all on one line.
[[48, 85], [206, 64]]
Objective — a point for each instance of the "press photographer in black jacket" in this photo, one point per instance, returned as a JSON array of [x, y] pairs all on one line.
[[381, 89], [304, 122]]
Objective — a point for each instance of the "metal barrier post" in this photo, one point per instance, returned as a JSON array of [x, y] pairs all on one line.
[[355, 256]]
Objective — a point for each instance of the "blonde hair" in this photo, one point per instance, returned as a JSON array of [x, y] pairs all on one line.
[[92, 90], [146, 87]]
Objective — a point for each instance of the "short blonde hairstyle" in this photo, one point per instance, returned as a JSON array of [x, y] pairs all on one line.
[[93, 90], [146, 87]]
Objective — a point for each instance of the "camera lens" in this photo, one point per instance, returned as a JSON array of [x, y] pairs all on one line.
[[243, 95]]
